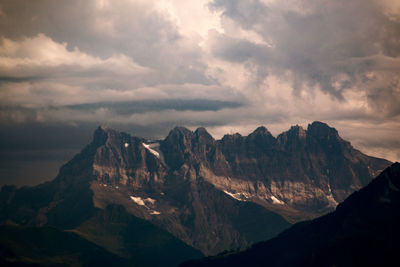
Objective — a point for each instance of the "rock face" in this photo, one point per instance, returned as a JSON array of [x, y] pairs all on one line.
[[308, 171], [363, 231], [169, 183], [212, 194]]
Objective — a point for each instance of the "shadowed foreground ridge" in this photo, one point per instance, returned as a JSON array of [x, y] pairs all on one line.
[[363, 231]]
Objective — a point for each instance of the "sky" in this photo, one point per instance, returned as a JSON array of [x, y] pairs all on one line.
[[144, 67]]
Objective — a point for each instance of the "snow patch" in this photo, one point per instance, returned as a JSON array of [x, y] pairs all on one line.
[[154, 212], [138, 200], [126, 145], [150, 147], [231, 194], [237, 196], [144, 202], [277, 201]]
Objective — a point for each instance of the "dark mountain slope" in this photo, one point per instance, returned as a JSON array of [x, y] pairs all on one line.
[[111, 237], [137, 241], [48, 246], [363, 231], [212, 221]]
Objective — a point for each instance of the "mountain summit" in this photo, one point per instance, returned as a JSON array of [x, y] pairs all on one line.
[[212, 195]]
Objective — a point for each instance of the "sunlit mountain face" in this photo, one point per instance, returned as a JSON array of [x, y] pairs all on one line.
[[149, 133]]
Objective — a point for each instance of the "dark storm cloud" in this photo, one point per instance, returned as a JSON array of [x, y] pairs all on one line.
[[119, 108], [131, 107], [8, 79]]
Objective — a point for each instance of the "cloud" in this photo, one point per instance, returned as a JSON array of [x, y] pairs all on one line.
[[39, 58], [131, 107], [146, 66], [39, 72], [315, 41], [137, 29], [335, 61]]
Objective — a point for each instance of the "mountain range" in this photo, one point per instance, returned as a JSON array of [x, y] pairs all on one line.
[[187, 195], [362, 231]]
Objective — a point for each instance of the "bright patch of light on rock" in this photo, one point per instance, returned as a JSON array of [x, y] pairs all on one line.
[[138, 200], [276, 201], [149, 148], [237, 196], [154, 212]]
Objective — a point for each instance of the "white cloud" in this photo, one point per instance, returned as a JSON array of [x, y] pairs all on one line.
[[194, 20]]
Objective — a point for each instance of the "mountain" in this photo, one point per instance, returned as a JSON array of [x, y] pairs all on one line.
[[301, 174], [26, 246], [111, 237], [363, 231], [212, 195]]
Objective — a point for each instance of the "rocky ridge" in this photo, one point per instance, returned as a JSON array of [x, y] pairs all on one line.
[[300, 174], [212, 194]]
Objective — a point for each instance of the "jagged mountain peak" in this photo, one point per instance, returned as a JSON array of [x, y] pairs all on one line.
[[260, 140], [106, 130], [180, 130], [297, 130], [293, 139], [100, 135], [320, 129], [201, 130], [104, 133], [179, 138], [318, 132], [260, 131], [235, 136], [316, 129], [202, 133]]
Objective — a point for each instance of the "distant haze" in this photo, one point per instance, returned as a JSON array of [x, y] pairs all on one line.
[[228, 65]]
